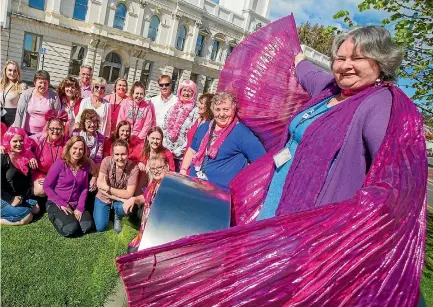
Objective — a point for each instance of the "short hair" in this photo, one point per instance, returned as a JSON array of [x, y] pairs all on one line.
[[66, 156], [121, 143], [136, 84], [86, 66], [222, 96], [207, 104], [158, 158], [164, 77], [41, 74], [69, 81], [375, 43], [98, 80], [89, 114]]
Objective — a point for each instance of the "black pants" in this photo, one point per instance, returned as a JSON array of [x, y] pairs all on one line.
[[68, 225]]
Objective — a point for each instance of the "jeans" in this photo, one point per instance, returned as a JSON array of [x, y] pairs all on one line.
[[101, 213], [16, 213]]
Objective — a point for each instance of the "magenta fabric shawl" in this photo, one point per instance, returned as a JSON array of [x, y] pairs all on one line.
[[368, 250]]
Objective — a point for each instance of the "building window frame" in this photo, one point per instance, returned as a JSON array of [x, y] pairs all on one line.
[[230, 49], [75, 63], [120, 16], [181, 37], [31, 52], [216, 47], [153, 31], [193, 77], [175, 78], [207, 84], [37, 4], [145, 73], [113, 65], [199, 46], [80, 4]]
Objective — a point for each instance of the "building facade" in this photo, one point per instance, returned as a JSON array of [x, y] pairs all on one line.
[[134, 39]]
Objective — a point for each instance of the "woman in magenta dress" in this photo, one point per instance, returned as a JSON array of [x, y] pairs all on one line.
[[123, 132], [70, 97], [48, 147], [116, 99]]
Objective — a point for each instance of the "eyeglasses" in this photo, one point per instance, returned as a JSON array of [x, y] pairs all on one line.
[[99, 88], [90, 123], [164, 84], [55, 129], [187, 91], [157, 169]]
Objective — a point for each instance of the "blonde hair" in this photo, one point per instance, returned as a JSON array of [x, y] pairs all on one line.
[[98, 80], [4, 81]]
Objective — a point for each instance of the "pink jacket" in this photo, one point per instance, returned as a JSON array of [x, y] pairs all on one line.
[[141, 117]]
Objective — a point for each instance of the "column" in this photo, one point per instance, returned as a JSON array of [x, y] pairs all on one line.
[[195, 32], [173, 30]]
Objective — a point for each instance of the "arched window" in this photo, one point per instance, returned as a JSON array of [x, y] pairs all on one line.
[[111, 67], [181, 37], [120, 16], [153, 28]]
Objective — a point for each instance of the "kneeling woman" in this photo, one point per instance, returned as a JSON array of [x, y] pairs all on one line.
[[16, 206], [66, 186], [157, 167], [117, 181]]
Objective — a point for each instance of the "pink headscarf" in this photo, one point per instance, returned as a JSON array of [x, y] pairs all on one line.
[[188, 84], [21, 161]]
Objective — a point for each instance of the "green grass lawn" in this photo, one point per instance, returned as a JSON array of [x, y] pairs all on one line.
[[41, 268]]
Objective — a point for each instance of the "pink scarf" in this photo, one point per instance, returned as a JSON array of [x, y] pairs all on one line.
[[176, 117], [215, 145]]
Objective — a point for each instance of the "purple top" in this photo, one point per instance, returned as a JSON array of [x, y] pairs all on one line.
[[63, 188], [362, 140]]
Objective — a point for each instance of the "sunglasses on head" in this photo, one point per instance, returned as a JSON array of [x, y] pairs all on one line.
[[98, 87], [164, 84]]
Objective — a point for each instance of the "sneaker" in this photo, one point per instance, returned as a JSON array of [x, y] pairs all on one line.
[[117, 224]]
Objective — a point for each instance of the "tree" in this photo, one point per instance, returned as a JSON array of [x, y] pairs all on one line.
[[316, 37], [412, 24]]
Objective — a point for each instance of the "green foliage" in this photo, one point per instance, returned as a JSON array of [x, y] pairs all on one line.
[[41, 268], [413, 30], [316, 37]]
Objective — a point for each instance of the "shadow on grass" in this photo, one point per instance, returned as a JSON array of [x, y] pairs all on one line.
[[427, 276]]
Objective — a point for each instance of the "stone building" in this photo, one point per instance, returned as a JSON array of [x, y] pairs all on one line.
[[135, 39]]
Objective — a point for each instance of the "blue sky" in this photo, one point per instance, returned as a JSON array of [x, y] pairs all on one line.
[[321, 12]]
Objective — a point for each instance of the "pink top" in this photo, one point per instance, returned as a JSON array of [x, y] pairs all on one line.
[[115, 105], [47, 152], [141, 117], [36, 110], [86, 91]]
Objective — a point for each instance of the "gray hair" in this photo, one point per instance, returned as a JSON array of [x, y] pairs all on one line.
[[98, 80], [86, 66], [222, 96], [375, 43]]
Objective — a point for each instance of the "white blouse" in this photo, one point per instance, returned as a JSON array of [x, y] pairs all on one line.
[[103, 111]]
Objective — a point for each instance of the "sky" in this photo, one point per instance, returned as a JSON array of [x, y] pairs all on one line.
[[321, 12]]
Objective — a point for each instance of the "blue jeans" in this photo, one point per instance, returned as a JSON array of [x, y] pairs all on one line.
[[16, 213], [101, 213]]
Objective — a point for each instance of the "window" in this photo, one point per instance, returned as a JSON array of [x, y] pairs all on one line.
[[175, 79], [216, 1], [80, 9], [120, 16], [207, 85], [78, 53], [145, 73], [194, 77], [215, 49], [199, 45], [37, 4], [181, 36], [153, 28], [111, 67], [32, 44], [229, 51]]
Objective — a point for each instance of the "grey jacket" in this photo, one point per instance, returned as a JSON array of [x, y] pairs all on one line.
[[23, 103]]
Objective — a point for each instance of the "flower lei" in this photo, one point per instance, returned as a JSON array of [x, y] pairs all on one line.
[[176, 117]]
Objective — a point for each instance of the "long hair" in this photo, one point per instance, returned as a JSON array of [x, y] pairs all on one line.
[[69, 81], [207, 104], [115, 135], [66, 157], [16, 88], [136, 84], [22, 161], [145, 154]]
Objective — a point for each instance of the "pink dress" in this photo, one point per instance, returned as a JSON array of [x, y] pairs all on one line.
[[36, 110], [141, 117], [115, 108]]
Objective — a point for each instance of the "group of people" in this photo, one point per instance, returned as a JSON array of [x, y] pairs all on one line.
[[76, 141]]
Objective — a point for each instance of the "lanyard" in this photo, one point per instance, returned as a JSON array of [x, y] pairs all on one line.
[[118, 184], [4, 96], [116, 106], [51, 151], [135, 114], [206, 157]]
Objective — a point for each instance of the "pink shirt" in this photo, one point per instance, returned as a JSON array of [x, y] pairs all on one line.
[[36, 110], [115, 104], [141, 117], [86, 91]]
